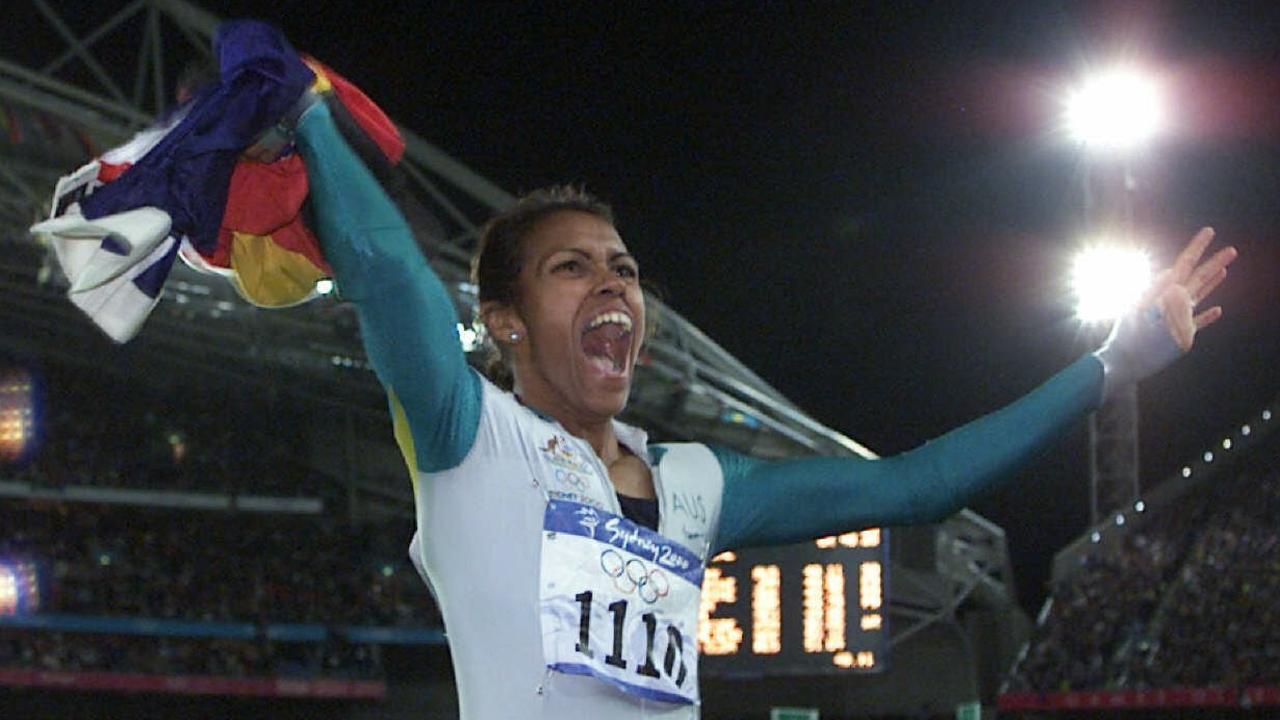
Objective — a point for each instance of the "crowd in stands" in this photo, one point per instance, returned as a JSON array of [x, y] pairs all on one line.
[[131, 561], [68, 652], [109, 432], [1223, 622], [1092, 616], [1188, 600], [216, 566]]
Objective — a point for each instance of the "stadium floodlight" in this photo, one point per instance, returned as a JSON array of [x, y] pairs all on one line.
[[1108, 281], [1116, 109]]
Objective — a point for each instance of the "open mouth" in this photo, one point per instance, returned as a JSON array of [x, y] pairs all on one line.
[[607, 342]]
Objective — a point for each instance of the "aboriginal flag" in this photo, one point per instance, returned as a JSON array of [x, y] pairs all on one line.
[[184, 187]]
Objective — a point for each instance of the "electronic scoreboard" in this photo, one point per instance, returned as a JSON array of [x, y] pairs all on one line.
[[815, 608]]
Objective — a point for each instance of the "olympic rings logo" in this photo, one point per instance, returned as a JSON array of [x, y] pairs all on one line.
[[629, 576], [572, 479]]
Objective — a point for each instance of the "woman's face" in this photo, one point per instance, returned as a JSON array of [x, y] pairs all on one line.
[[582, 310]]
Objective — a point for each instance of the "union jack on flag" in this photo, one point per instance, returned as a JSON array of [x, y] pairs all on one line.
[[186, 187]]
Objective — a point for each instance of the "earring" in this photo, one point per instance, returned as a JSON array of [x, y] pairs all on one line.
[[515, 337]]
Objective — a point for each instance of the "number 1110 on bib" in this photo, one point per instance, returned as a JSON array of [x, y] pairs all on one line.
[[618, 609]]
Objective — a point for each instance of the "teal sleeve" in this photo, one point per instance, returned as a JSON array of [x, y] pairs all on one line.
[[787, 501], [407, 318]]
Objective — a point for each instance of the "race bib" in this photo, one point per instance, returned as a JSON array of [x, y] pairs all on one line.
[[619, 602]]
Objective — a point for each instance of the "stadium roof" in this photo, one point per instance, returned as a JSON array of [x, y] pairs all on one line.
[[112, 75]]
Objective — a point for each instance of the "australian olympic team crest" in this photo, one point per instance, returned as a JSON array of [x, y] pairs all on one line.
[[569, 476], [558, 451]]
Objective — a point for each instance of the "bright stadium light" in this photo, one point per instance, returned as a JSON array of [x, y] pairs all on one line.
[[1108, 281], [1116, 109]]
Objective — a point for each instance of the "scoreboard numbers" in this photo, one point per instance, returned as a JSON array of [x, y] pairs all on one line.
[[814, 608]]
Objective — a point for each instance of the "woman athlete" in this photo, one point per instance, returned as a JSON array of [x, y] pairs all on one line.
[[568, 576]]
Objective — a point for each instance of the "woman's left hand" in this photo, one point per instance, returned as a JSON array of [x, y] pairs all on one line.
[[1164, 324], [1184, 285]]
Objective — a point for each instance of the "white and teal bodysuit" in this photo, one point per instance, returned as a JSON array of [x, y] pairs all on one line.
[[556, 605]]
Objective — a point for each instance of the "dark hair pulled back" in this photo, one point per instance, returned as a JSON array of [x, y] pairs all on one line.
[[495, 270]]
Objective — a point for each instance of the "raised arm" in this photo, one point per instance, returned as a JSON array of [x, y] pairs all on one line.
[[406, 315], [768, 503], [779, 502]]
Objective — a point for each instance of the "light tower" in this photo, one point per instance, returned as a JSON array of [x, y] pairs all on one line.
[[1111, 115]]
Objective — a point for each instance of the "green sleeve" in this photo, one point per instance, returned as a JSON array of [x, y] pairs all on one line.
[[407, 318], [781, 502]]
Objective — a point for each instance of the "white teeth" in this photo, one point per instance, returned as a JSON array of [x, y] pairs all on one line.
[[615, 317]]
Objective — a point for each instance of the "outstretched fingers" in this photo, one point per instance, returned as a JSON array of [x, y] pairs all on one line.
[[1186, 283], [1208, 317], [1209, 275], [1190, 256]]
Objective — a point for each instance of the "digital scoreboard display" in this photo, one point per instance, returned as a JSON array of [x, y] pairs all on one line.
[[815, 608]]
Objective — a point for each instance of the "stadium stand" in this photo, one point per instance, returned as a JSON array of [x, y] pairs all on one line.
[[182, 440], [153, 574], [1219, 624], [1179, 612], [160, 563]]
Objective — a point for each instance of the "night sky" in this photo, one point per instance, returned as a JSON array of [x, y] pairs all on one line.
[[869, 204]]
